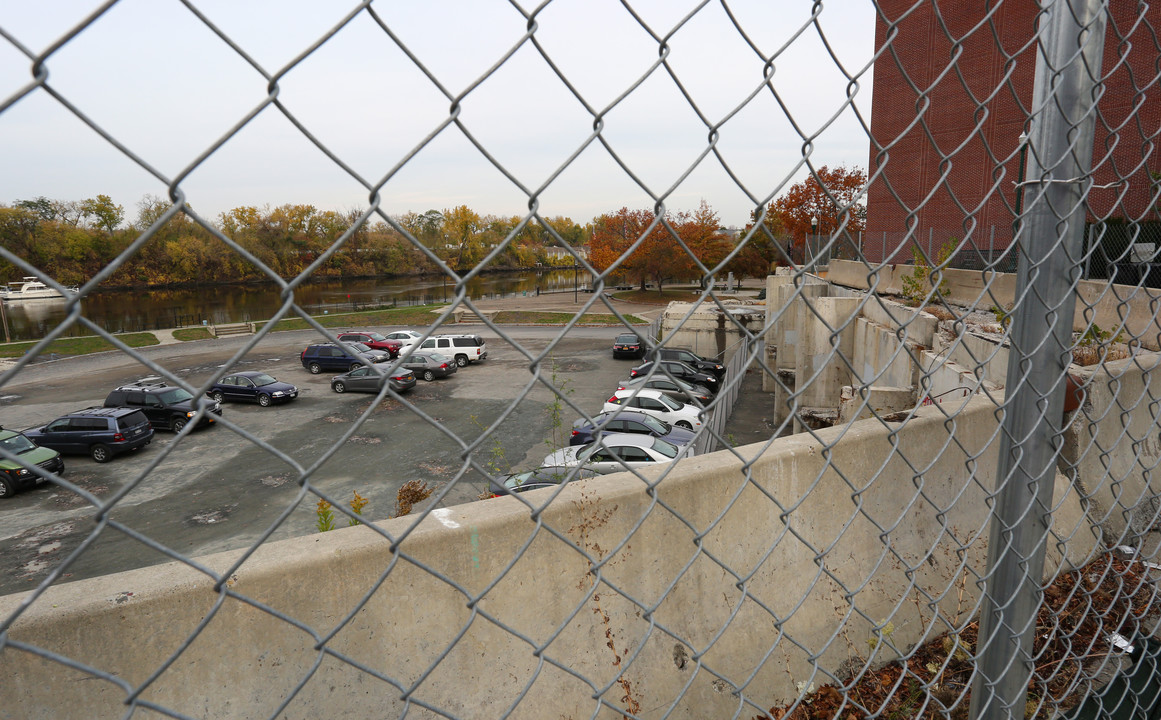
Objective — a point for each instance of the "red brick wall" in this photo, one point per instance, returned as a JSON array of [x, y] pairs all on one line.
[[952, 92]]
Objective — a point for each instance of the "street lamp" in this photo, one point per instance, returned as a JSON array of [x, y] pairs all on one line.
[[814, 232]]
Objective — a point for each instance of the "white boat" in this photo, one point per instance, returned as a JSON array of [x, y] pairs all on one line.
[[30, 288]]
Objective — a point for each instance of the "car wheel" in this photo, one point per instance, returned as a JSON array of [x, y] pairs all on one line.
[[314, 368], [462, 360], [428, 375], [338, 387], [683, 424], [178, 424], [217, 396], [6, 489], [264, 400], [355, 366], [101, 453]]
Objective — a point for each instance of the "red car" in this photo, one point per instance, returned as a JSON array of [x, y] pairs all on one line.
[[373, 340]]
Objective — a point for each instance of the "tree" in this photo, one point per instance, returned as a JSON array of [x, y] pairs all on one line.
[[107, 214], [42, 206], [830, 196]]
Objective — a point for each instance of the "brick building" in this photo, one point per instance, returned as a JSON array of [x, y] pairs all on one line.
[[952, 94]]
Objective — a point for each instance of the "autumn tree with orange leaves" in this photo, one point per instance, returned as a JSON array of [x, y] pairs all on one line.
[[832, 198], [659, 258]]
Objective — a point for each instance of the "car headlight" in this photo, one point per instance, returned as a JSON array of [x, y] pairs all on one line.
[[191, 413], [277, 393], [18, 472]]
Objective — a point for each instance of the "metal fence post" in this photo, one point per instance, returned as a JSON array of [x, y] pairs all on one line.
[[1063, 120]]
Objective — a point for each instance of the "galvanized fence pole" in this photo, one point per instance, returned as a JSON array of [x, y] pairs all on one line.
[[1063, 120]]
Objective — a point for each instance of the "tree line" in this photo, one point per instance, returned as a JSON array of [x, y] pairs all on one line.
[[74, 240]]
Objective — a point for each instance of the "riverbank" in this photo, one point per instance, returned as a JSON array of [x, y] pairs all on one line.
[[544, 309]]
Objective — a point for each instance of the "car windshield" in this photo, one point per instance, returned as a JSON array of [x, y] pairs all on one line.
[[360, 347], [669, 402], [667, 449], [655, 425], [376, 336], [263, 379], [17, 444], [626, 339], [439, 357], [515, 481], [169, 397]]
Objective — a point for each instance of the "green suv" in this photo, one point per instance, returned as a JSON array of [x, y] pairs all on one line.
[[15, 474]]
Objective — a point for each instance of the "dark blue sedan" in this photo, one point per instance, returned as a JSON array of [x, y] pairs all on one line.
[[252, 386], [629, 422]]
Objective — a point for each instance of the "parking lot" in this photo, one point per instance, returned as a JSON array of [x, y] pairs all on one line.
[[216, 490]]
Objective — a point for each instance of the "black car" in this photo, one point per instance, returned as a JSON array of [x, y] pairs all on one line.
[[430, 365], [584, 432], [365, 379], [679, 370], [167, 407], [541, 477], [339, 356], [628, 345], [99, 432], [690, 358], [252, 386]]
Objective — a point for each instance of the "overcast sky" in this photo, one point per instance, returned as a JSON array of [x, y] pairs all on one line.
[[158, 80]]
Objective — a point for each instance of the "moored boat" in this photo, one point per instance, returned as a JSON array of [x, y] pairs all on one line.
[[30, 288]]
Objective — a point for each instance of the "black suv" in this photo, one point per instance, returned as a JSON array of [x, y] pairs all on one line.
[[164, 405], [99, 432], [338, 357], [690, 358]]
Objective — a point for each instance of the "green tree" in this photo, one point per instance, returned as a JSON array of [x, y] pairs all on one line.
[[106, 214], [42, 206]]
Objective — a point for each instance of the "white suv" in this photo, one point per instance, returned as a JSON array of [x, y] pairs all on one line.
[[464, 348]]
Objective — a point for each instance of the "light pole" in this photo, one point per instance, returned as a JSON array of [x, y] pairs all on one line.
[[813, 231]]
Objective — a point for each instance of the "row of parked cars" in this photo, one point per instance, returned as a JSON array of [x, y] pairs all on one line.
[[131, 413], [651, 419]]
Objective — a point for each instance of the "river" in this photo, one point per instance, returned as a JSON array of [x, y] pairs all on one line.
[[137, 310]]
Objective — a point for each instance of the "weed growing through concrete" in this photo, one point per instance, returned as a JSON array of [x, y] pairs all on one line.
[[923, 276], [357, 504], [556, 408], [497, 462], [410, 493], [326, 518]]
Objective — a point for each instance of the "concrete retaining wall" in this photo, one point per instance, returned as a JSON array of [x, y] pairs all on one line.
[[799, 557], [1115, 308], [1114, 446]]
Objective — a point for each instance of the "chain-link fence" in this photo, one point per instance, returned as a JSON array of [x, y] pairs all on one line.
[[913, 477]]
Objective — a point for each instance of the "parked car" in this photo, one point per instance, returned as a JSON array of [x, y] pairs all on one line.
[[405, 337], [430, 365], [341, 356], [619, 451], [541, 477], [99, 432], [657, 404], [252, 386], [628, 345], [373, 340], [366, 379], [679, 390], [690, 358], [679, 370], [15, 475], [464, 348], [584, 431], [166, 407]]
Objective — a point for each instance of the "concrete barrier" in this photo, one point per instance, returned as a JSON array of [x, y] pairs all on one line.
[[1115, 308], [663, 603]]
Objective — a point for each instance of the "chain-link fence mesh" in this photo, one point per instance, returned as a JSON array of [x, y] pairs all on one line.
[[922, 489]]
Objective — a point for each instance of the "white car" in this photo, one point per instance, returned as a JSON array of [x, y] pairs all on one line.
[[619, 451], [407, 337], [657, 404]]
